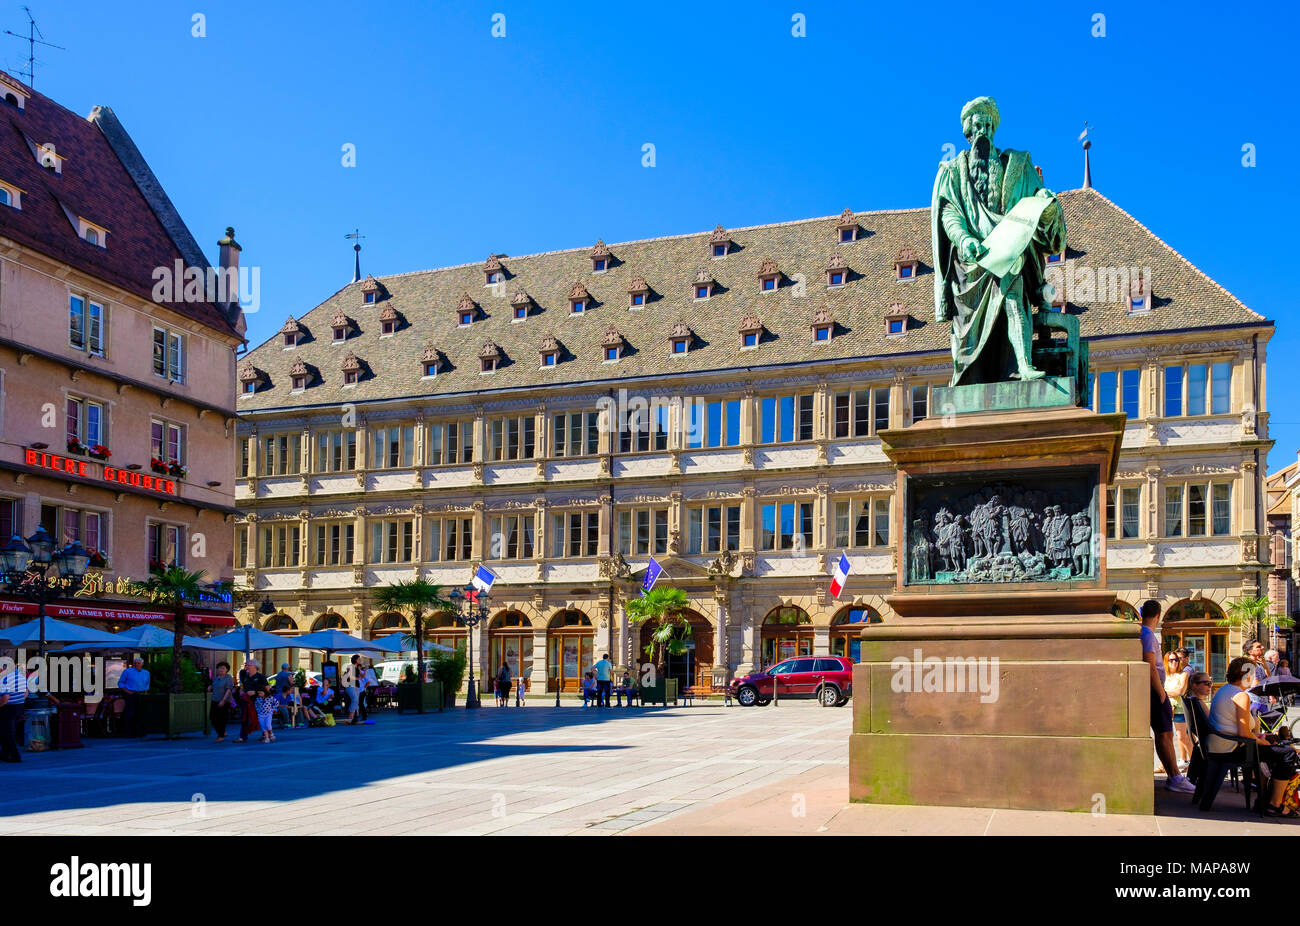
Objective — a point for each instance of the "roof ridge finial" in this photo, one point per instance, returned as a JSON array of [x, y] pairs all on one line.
[[1087, 165]]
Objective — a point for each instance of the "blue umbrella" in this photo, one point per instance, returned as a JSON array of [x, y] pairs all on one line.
[[396, 643], [55, 630], [247, 638]]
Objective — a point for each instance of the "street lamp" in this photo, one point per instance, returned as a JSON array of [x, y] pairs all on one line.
[[473, 607], [24, 566]]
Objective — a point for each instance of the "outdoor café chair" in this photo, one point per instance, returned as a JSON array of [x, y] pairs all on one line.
[[1217, 765]]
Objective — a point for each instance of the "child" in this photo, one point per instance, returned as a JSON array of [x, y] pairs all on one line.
[[266, 705], [521, 692]]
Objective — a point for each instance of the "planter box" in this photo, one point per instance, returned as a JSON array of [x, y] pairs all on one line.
[[660, 693], [174, 714], [413, 697]]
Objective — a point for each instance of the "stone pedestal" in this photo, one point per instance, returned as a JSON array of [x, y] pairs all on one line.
[[1012, 686]]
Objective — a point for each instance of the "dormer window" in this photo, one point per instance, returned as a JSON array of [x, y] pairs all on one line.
[[769, 277], [465, 311], [387, 321], [550, 352], [612, 345], [837, 271], [896, 320], [341, 324], [847, 229], [1139, 296], [249, 378], [298, 376], [351, 368], [638, 292], [370, 290], [370, 298], [1055, 258], [94, 234], [720, 245], [250, 387], [493, 270], [520, 302], [681, 338], [703, 285], [429, 363], [823, 325], [751, 331], [489, 358], [13, 95], [600, 257], [291, 333], [579, 299], [11, 196], [48, 158], [906, 264]]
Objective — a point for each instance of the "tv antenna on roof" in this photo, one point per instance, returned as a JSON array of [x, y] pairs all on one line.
[[32, 41]]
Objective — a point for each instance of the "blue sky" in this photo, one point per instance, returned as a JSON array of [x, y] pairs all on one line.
[[468, 144]]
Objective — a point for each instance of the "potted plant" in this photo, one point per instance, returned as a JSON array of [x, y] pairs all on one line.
[[158, 465], [100, 452], [448, 669], [416, 597], [174, 468], [98, 559], [665, 609], [76, 446]]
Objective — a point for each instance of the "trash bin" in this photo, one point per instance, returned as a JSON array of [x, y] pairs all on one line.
[[36, 728], [69, 725]]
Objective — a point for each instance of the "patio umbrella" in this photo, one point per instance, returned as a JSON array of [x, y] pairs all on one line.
[[395, 643], [142, 638], [247, 638], [1276, 686], [56, 631], [334, 641]]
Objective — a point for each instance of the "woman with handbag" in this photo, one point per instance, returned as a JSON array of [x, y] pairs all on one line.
[[223, 691], [251, 681]]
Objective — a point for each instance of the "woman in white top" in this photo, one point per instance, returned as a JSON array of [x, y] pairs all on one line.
[[1230, 713], [1176, 687]]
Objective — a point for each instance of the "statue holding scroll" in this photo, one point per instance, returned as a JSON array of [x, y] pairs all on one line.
[[992, 222]]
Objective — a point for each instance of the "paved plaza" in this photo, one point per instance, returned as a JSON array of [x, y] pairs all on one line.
[[706, 769]]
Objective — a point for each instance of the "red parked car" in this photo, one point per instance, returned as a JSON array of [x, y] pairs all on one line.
[[829, 678]]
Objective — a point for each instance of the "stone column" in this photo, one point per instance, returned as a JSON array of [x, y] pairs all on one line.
[[479, 539], [605, 536], [749, 638], [537, 677], [721, 659], [821, 641]]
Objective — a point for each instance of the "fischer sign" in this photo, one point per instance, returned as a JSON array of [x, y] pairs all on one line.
[[69, 466]]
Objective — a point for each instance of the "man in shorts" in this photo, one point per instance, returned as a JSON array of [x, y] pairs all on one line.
[[1162, 713]]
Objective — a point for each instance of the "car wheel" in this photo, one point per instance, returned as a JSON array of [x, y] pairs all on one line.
[[747, 696], [830, 696]]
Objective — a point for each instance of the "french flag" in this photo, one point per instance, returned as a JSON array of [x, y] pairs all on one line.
[[841, 576], [482, 579]]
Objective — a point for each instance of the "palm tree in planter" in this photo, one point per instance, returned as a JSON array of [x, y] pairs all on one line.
[[416, 597], [1248, 613], [665, 608]]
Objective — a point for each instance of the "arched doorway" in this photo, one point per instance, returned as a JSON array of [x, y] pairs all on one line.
[[569, 640], [442, 628], [1195, 625], [846, 630], [329, 621], [387, 623], [1125, 611], [787, 631], [510, 640], [693, 667]]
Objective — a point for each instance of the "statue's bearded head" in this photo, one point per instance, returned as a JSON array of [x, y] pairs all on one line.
[[979, 120]]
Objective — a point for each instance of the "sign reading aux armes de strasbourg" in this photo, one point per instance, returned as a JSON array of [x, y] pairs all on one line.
[[68, 466]]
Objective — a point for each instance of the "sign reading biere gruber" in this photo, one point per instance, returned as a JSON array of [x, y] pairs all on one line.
[[68, 466]]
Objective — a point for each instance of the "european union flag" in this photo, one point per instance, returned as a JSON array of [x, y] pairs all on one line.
[[652, 574]]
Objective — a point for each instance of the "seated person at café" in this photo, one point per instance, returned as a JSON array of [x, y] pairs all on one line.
[[325, 696], [286, 703], [625, 687], [1230, 712], [588, 688]]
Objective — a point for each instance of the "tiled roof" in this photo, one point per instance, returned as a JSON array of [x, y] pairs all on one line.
[[94, 185], [1100, 235]]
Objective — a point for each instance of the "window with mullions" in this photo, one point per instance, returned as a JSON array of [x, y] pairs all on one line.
[[392, 447], [86, 420], [280, 545], [86, 325], [1123, 512], [643, 531], [168, 355], [920, 402], [246, 456], [392, 541], [451, 442], [645, 429], [785, 418], [282, 454], [512, 438], [1117, 391], [66, 524], [166, 544], [1198, 389], [712, 424], [575, 533], [1198, 509], [862, 522], [786, 526], [11, 517], [712, 529], [334, 543], [862, 412], [511, 536], [336, 451], [167, 442], [575, 434], [451, 540]]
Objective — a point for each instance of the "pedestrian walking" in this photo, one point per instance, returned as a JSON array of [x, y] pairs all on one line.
[[13, 698], [266, 705], [222, 694], [503, 686], [604, 671], [353, 690], [369, 686], [133, 682], [251, 681]]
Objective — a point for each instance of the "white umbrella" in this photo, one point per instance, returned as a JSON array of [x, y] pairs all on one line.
[[396, 643]]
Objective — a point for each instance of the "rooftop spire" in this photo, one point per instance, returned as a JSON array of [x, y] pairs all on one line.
[[1087, 166], [356, 271]]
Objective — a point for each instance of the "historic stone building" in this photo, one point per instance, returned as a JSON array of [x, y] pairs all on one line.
[[423, 423]]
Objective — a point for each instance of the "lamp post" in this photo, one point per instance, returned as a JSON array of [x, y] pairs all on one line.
[[25, 567], [473, 607]]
